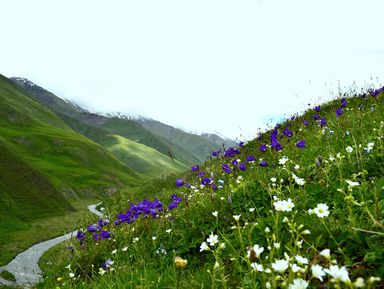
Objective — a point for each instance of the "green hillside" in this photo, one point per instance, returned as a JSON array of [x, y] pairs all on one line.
[[70, 161], [141, 158], [200, 146], [301, 206]]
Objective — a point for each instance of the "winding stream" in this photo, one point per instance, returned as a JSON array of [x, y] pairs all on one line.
[[25, 265]]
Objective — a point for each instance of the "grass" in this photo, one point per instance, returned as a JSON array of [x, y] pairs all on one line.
[[304, 216], [44, 168]]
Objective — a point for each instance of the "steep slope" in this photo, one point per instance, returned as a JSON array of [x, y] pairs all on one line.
[[200, 146], [137, 156], [70, 161], [115, 125]]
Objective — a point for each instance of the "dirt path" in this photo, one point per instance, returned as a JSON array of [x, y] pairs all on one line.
[[25, 265]]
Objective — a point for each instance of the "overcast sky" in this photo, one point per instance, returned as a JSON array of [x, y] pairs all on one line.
[[226, 66]]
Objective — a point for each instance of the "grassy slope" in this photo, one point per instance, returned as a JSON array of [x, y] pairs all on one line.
[[43, 164], [198, 145], [353, 230], [67, 159], [141, 158]]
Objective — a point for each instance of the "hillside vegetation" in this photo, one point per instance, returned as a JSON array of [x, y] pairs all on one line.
[[44, 166], [301, 206]]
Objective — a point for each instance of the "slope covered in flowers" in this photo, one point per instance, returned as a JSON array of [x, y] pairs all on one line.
[[301, 206]]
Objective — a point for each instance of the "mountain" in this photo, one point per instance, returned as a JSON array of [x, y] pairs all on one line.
[[71, 162], [216, 138], [138, 148], [175, 143], [200, 146]]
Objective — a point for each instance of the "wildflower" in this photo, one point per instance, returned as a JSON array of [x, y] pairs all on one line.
[[321, 210], [359, 283], [180, 262], [257, 267], [349, 149], [301, 144], [252, 210], [317, 108], [179, 183], [352, 184], [102, 271], [331, 158], [298, 180], [255, 252], [92, 228], [104, 235], [296, 167], [195, 168], [280, 265], [326, 253], [108, 264], [295, 268], [222, 246], [114, 251], [217, 265], [339, 111], [226, 168], [268, 285], [212, 239], [283, 160], [374, 279], [80, 236], [263, 163], [267, 230], [71, 275], [276, 245], [136, 239], [263, 148], [204, 247], [298, 283], [306, 232], [206, 181], [215, 213], [323, 121], [338, 274], [287, 132], [317, 272], [124, 249], [237, 217], [284, 206], [301, 260], [242, 167], [59, 279], [154, 238], [250, 159]]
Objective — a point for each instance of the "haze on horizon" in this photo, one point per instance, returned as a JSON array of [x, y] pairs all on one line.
[[203, 66]]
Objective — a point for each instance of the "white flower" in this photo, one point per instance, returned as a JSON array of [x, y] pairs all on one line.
[[237, 217], [215, 213], [321, 210], [349, 149], [273, 180], [338, 274], [102, 271], [298, 180], [298, 284], [168, 231], [212, 240], [284, 206], [154, 238], [317, 272], [203, 247], [68, 266], [295, 268], [136, 239], [296, 167], [114, 251], [217, 265], [352, 184], [306, 232], [124, 249], [359, 283], [267, 230], [301, 260], [373, 279], [285, 219], [280, 265], [283, 160], [71, 275], [222, 246], [257, 250], [251, 210], [257, 267], [326, 253], [268, 285], [276, 245]]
